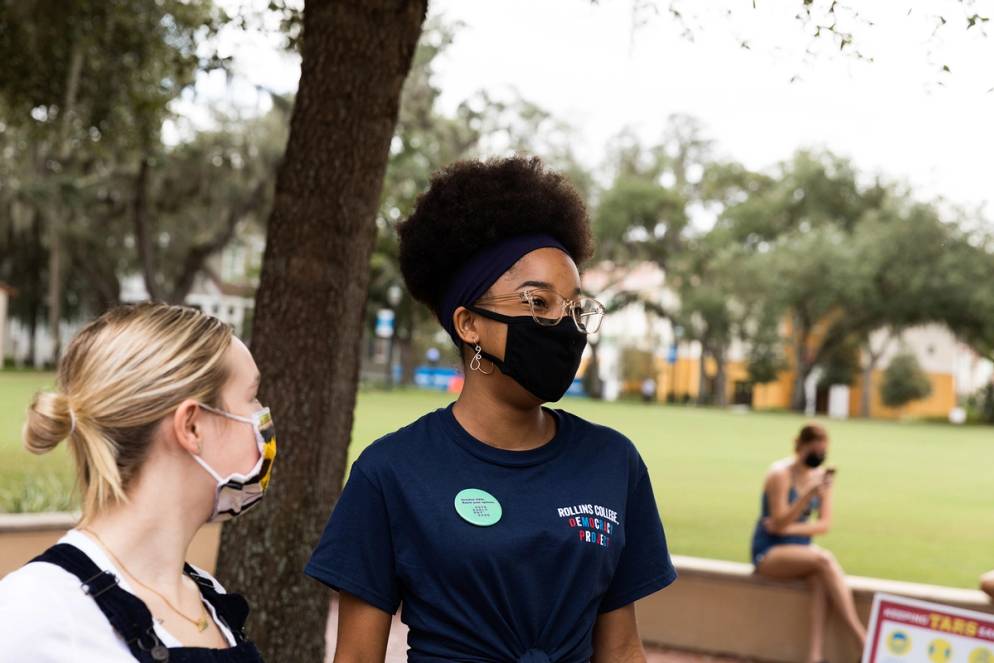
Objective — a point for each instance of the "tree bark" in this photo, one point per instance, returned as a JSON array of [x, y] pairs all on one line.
[[37, 287], [55, 285], [143, 233], [873, 356], [309, 307], [864, 397], [703, 381], [33, 334], [799, 398], [720, 395], [592, 374], [802, 366]]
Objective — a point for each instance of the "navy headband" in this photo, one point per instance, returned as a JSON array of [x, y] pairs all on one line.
[[482, 271]]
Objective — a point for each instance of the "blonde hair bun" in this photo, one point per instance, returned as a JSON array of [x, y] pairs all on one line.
[[48, 423]]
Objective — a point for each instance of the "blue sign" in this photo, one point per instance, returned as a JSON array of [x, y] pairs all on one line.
[[434, 377], [671, 355], [439, 378], [384, 323], [576, 389]]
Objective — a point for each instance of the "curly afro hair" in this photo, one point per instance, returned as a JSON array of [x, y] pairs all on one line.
[[470, 205]]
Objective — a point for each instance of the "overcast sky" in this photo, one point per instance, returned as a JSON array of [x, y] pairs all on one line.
[[603, 67]]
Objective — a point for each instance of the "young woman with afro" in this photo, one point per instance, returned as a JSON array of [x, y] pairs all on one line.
[[510, 531]]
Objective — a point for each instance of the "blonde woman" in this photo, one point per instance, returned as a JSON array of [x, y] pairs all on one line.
[[158, 406]]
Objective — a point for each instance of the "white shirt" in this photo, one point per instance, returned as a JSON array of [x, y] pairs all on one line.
[[46, 618]]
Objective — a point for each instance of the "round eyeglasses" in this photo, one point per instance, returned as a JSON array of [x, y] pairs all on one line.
[[548, 307]]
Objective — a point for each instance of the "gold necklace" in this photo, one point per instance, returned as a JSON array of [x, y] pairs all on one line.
[[201, 623]]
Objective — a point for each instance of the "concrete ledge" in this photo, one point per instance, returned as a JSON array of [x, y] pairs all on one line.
[[24, 535], [37, 522], [723, 608]]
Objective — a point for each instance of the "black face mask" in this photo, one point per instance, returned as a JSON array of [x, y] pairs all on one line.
[[814, 459], [543, 360]]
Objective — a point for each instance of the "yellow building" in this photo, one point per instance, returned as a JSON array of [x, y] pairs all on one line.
[[953, 368], [943, 358]]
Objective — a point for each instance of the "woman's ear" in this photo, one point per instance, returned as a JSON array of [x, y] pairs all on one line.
[[188, 426], [465, 324]]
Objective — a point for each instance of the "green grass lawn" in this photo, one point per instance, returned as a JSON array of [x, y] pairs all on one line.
[[913, 501], [29, 482]]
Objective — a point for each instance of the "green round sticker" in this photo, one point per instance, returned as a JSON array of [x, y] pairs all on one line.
[[478, 507]]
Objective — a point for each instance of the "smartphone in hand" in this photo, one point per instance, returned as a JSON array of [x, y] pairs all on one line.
[[829, 474]]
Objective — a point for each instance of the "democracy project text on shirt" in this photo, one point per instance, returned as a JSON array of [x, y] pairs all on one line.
[[594, 523]]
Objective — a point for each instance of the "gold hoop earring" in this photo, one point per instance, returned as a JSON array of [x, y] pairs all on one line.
[[474, 363]]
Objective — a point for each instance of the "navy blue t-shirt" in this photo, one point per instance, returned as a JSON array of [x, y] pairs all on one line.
[[579, 535]]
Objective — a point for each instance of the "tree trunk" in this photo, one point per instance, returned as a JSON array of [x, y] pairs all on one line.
[[703, 382], [309, 307], [872, 358], [720, 397], [55, 285], [143, 233], [799, 397], [37, 287], [802, 369], [592, 374], [33, 334], [56, 219], [864, 396]]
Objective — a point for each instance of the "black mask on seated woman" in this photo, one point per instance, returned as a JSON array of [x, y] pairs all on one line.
[[814, 459], [542, 359]]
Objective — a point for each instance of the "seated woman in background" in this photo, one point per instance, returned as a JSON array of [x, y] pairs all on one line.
[[796, 487], [987, 583]]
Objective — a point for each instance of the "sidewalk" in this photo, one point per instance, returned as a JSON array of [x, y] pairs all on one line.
[[397, 646]]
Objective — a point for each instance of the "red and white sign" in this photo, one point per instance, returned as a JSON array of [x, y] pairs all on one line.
[[909, 631]]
